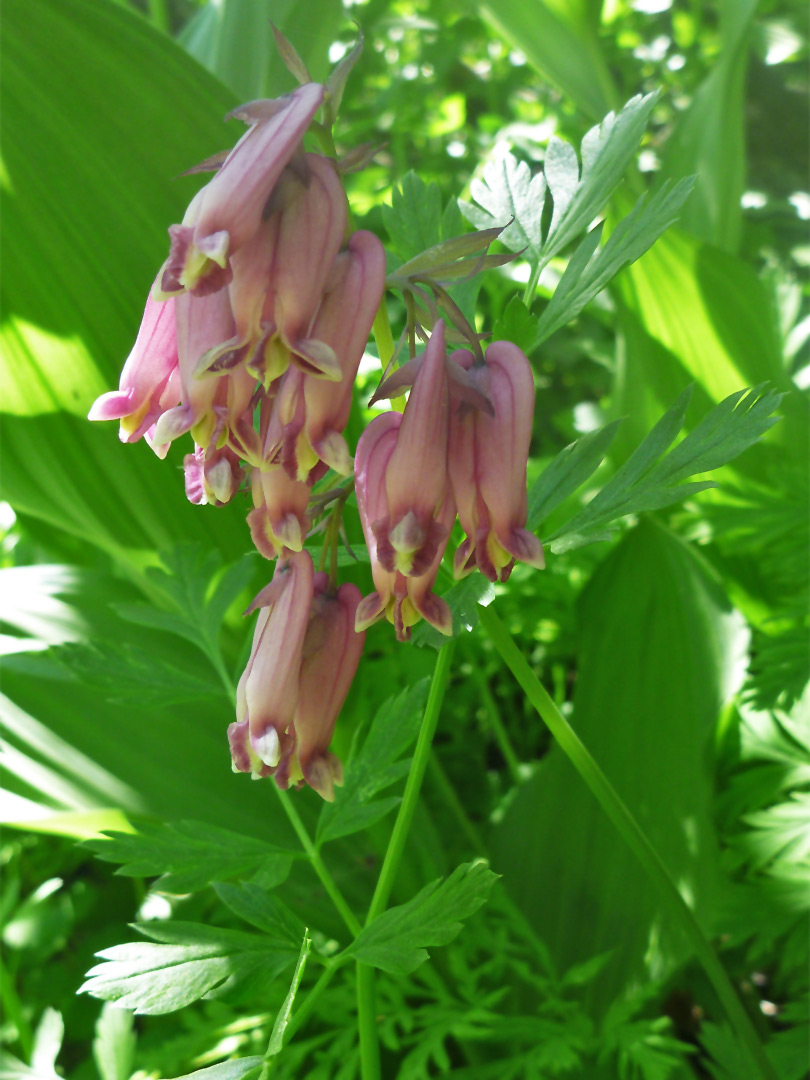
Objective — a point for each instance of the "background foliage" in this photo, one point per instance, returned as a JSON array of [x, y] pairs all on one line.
[[677, 644]]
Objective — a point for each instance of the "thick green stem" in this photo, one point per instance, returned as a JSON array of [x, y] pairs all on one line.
[[632, 833], [366, 995], [318, 864]]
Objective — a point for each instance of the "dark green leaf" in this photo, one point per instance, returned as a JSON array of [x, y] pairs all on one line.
[[188, 854], [396, 941], [253, 904], [568, 471], [375, 766]]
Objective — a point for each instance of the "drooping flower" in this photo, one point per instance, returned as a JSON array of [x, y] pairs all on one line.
[[487, 464], [229, 210], [402, 599], [279, 521], [267, 693], [150, 381], [329, 659], [212, 476]]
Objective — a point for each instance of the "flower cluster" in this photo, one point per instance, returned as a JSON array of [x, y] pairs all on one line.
[[251, 341]]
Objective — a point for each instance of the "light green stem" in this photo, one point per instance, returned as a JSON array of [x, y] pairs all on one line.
[[366, 996], [632, 833], [318, 865], [301, 1015], [498, 729]]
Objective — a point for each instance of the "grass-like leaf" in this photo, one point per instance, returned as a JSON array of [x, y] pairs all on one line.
[[396, 941], [375, 766], [591, 267], [183, 963], [568, 471], [283, 1017], [651, 479], [189, 854]]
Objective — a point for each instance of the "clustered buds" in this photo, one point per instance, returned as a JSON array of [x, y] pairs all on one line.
[[251, 341]]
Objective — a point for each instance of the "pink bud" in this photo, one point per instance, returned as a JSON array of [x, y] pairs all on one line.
[[487, 464], [330, 656], [150, 381], [267, 693], [279, 523]]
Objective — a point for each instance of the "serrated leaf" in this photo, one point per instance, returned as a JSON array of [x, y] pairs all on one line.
[[650, 481], [396, 941], [183, 963], [463, 598], [187, 854], [591, 268], [114, 1044], [568, 471], [508, 196], [267, 913], [375, 766], [781, 833], [283, 1018], [414, 218], [517, 324]]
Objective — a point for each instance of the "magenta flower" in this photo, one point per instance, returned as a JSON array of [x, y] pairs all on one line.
[[267, 693], [487, 464], [330, 655], [150, 381], [402, 599], [229, 210], [279, 523]]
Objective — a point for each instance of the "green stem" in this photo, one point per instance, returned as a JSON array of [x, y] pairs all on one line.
[[632, 833], [366, 991], [498, 729], [381, 329], [318, 864], [300, 1016], [531, 284]]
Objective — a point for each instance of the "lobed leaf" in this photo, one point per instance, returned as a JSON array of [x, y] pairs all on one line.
[[252, 903], [396, 941]]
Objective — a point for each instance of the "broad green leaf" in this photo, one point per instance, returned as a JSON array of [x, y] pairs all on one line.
[[114, 1044], [396, 941], [235, 1069], [234, 40], [267, 913], [188, 855], [375, 766], [650, 481], [559, 45], [708, 138], [102, 113], [508, 192], [567, 472], [659, 654], [591, 267], [183, 963], [283, 1018]]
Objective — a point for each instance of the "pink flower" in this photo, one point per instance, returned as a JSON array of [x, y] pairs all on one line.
[[487, 464], [212, 476], [267, 693], [402, 599], [304, 657], [329, 659], [279, 523], [150, 381], [309, 413], [229, 210]]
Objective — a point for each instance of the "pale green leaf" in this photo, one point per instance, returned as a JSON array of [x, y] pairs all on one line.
[[283, 1018], [114, 1044], [47, 1042], [234, 1069], [508, 193]]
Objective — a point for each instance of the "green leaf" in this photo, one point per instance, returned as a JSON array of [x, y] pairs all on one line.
[[234, 40], [89, 155], [517, 325], [658, 656], [253, 904], [276, 1043], [235, 1069], [648, 481], [414, 218], [780, 833], [463, 598], [591, 267], [567, 472], [396, 941], [375, 766], [183, 963], [189, 854], [508, 192], [114, 1044], [47, 1042]]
